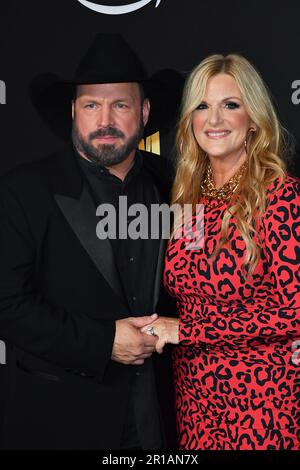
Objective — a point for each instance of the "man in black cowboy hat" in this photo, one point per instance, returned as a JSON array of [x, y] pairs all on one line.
[[71, 305]]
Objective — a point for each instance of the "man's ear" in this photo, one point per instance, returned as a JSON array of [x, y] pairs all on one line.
[[146, 110], [73, 109]]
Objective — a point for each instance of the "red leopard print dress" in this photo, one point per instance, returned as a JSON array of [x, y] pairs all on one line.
[[237, 369]]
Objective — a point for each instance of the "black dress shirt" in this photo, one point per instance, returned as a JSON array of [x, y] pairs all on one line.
[[136, 261]]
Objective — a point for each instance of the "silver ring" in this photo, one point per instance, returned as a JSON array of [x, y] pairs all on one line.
[[150, 330]]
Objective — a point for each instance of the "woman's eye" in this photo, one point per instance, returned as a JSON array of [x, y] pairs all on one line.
[[232, 105], [202, 106]]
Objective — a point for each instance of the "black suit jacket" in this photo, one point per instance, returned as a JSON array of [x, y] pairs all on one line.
[[60, 295]]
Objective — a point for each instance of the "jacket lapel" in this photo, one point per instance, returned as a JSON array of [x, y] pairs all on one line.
[[81, 216], [160, 259], [78, 207]]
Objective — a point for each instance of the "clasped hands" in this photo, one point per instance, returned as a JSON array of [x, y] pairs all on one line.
[[134, 342]]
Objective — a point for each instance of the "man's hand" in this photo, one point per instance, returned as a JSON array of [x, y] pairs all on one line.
[[131, 346]]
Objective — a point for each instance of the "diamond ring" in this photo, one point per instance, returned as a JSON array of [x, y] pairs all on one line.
[[150, 330]]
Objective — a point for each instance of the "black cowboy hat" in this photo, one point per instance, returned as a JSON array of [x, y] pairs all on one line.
[[108, 60]]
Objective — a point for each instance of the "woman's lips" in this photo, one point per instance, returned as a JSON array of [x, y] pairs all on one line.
[[217, 134]]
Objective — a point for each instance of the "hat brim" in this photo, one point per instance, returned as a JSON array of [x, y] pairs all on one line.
[[51, 96]]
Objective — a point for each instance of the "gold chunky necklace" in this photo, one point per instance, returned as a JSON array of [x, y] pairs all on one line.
[[226, 191]]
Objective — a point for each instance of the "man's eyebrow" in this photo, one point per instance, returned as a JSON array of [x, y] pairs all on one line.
[[94, 98]]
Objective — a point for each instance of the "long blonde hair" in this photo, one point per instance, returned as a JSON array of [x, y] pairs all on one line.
[[265, 149]]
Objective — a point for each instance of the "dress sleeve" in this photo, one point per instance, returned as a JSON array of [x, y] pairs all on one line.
[[278, 316]]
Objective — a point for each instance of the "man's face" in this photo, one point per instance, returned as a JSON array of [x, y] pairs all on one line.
[[108, 121]]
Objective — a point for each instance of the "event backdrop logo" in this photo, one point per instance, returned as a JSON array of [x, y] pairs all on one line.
[[296, 93], [2, 353], [2, 92], [117, 9], [151, 143]]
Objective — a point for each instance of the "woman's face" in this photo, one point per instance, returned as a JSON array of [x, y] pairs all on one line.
[[221, 123]]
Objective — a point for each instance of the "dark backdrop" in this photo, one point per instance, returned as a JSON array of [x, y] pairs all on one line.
[[50, 35]]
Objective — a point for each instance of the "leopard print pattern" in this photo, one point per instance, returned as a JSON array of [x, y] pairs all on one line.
[[236, 383]]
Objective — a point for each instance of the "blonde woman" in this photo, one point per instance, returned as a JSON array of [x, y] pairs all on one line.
[[236, 368]]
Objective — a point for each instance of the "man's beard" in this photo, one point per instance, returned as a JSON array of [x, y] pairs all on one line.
[[106, 154]]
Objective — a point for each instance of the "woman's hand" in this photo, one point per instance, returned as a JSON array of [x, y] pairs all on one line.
[[167, 330]]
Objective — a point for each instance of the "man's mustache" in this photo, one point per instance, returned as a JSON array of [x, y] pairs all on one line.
[[108, 131]]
